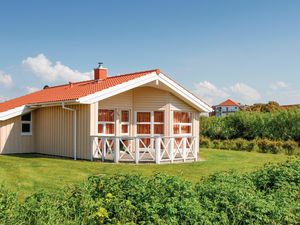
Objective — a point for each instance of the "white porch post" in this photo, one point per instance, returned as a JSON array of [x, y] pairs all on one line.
[[103, 148], [136, 150], [184, 148], [117, 150], [196, 147], [157, 150], [172, 149]]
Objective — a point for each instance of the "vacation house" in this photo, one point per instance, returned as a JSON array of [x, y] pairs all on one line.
[[142, 116]]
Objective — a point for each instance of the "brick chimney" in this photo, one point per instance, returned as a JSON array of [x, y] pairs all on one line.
[[100, 73]]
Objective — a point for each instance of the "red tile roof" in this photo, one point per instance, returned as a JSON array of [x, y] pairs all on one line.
[[70, 91], [229, 102]]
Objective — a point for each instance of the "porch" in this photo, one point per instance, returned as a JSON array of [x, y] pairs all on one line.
[[144, 149]]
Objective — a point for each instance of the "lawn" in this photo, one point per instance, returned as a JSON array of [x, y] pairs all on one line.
[[26, 174]]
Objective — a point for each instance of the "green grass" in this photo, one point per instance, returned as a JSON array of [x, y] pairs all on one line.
[[26, 174]]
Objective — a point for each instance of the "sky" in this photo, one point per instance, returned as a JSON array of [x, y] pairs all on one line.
[[248, 51]]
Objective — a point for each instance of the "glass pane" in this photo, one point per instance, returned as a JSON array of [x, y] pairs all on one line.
[[124, 129], [26, 117], [158, 129], [25, 128], [110, 128], [143, 128], [176, 129], [159, 116], [125, 116], [106, 115], [143, 117], [185, 129], [181, 117], [185, 117], [100, 128]]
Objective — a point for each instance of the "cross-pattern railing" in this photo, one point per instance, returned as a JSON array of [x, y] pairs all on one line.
[[144, 149]]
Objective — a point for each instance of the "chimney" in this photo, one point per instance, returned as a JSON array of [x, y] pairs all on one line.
[[100, 73]]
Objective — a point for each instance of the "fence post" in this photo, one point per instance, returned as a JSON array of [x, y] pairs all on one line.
[[117, 150], [172, 149], [157, 150], [184, 149], [196, 147], [103, 140], [136, 150], [92, 148]]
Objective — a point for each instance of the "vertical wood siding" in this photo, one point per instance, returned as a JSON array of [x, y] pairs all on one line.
[[55, 136], [11, 140]]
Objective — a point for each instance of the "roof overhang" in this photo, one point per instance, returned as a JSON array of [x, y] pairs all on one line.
[[180, 91], [14, 112], [187, 96]]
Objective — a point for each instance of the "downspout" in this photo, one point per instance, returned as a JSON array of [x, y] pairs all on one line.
[[74, 128]]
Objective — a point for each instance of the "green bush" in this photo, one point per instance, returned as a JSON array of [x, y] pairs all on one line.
[[290, 147], [216, 144], [205, 142], [278, 125], [269, 195]]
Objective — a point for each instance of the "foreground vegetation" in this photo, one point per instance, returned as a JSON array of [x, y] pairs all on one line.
[[270, 195], [26, 174]]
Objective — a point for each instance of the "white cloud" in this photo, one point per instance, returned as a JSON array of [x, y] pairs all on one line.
[[245, 92], [279, 85], [239, 92], [47, 71], [30, 89], [210, 92], [5, 79]]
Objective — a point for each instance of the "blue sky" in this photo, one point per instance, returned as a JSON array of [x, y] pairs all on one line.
[[245, 50]]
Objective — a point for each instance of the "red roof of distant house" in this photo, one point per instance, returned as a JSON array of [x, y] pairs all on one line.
[[229, 102], [71, 91]]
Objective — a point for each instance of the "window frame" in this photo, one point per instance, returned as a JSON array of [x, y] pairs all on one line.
[[190, 124], [104, 123], [26, 122], [151, 123], [125, 123]]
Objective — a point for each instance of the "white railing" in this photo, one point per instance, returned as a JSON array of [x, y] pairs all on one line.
[[144, 149]]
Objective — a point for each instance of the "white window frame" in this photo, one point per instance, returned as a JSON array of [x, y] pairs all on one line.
[[190, 124], [152, 123], [125, 123], [106, 122], [26, 122]]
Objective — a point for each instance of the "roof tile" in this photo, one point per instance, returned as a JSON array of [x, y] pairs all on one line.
[[71, 91]]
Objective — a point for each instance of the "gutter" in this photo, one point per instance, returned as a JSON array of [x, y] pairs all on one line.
[[74, 128]]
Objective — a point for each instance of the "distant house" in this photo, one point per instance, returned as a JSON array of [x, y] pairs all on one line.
[[225, 108], [141, 116]]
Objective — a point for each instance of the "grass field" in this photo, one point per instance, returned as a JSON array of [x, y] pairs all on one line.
[[26, 174]]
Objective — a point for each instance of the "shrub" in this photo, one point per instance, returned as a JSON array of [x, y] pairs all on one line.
[[217, 144], [290, 147], [205, 142], [263, 145], [269, 195]]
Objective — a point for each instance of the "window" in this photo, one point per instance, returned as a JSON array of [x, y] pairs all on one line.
[[106, 122], [125, 122], [182, 123], [26, 123], [149, 124]]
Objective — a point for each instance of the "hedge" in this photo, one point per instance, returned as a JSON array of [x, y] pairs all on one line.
[[280, 125], [267, 196], [261, 145]]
